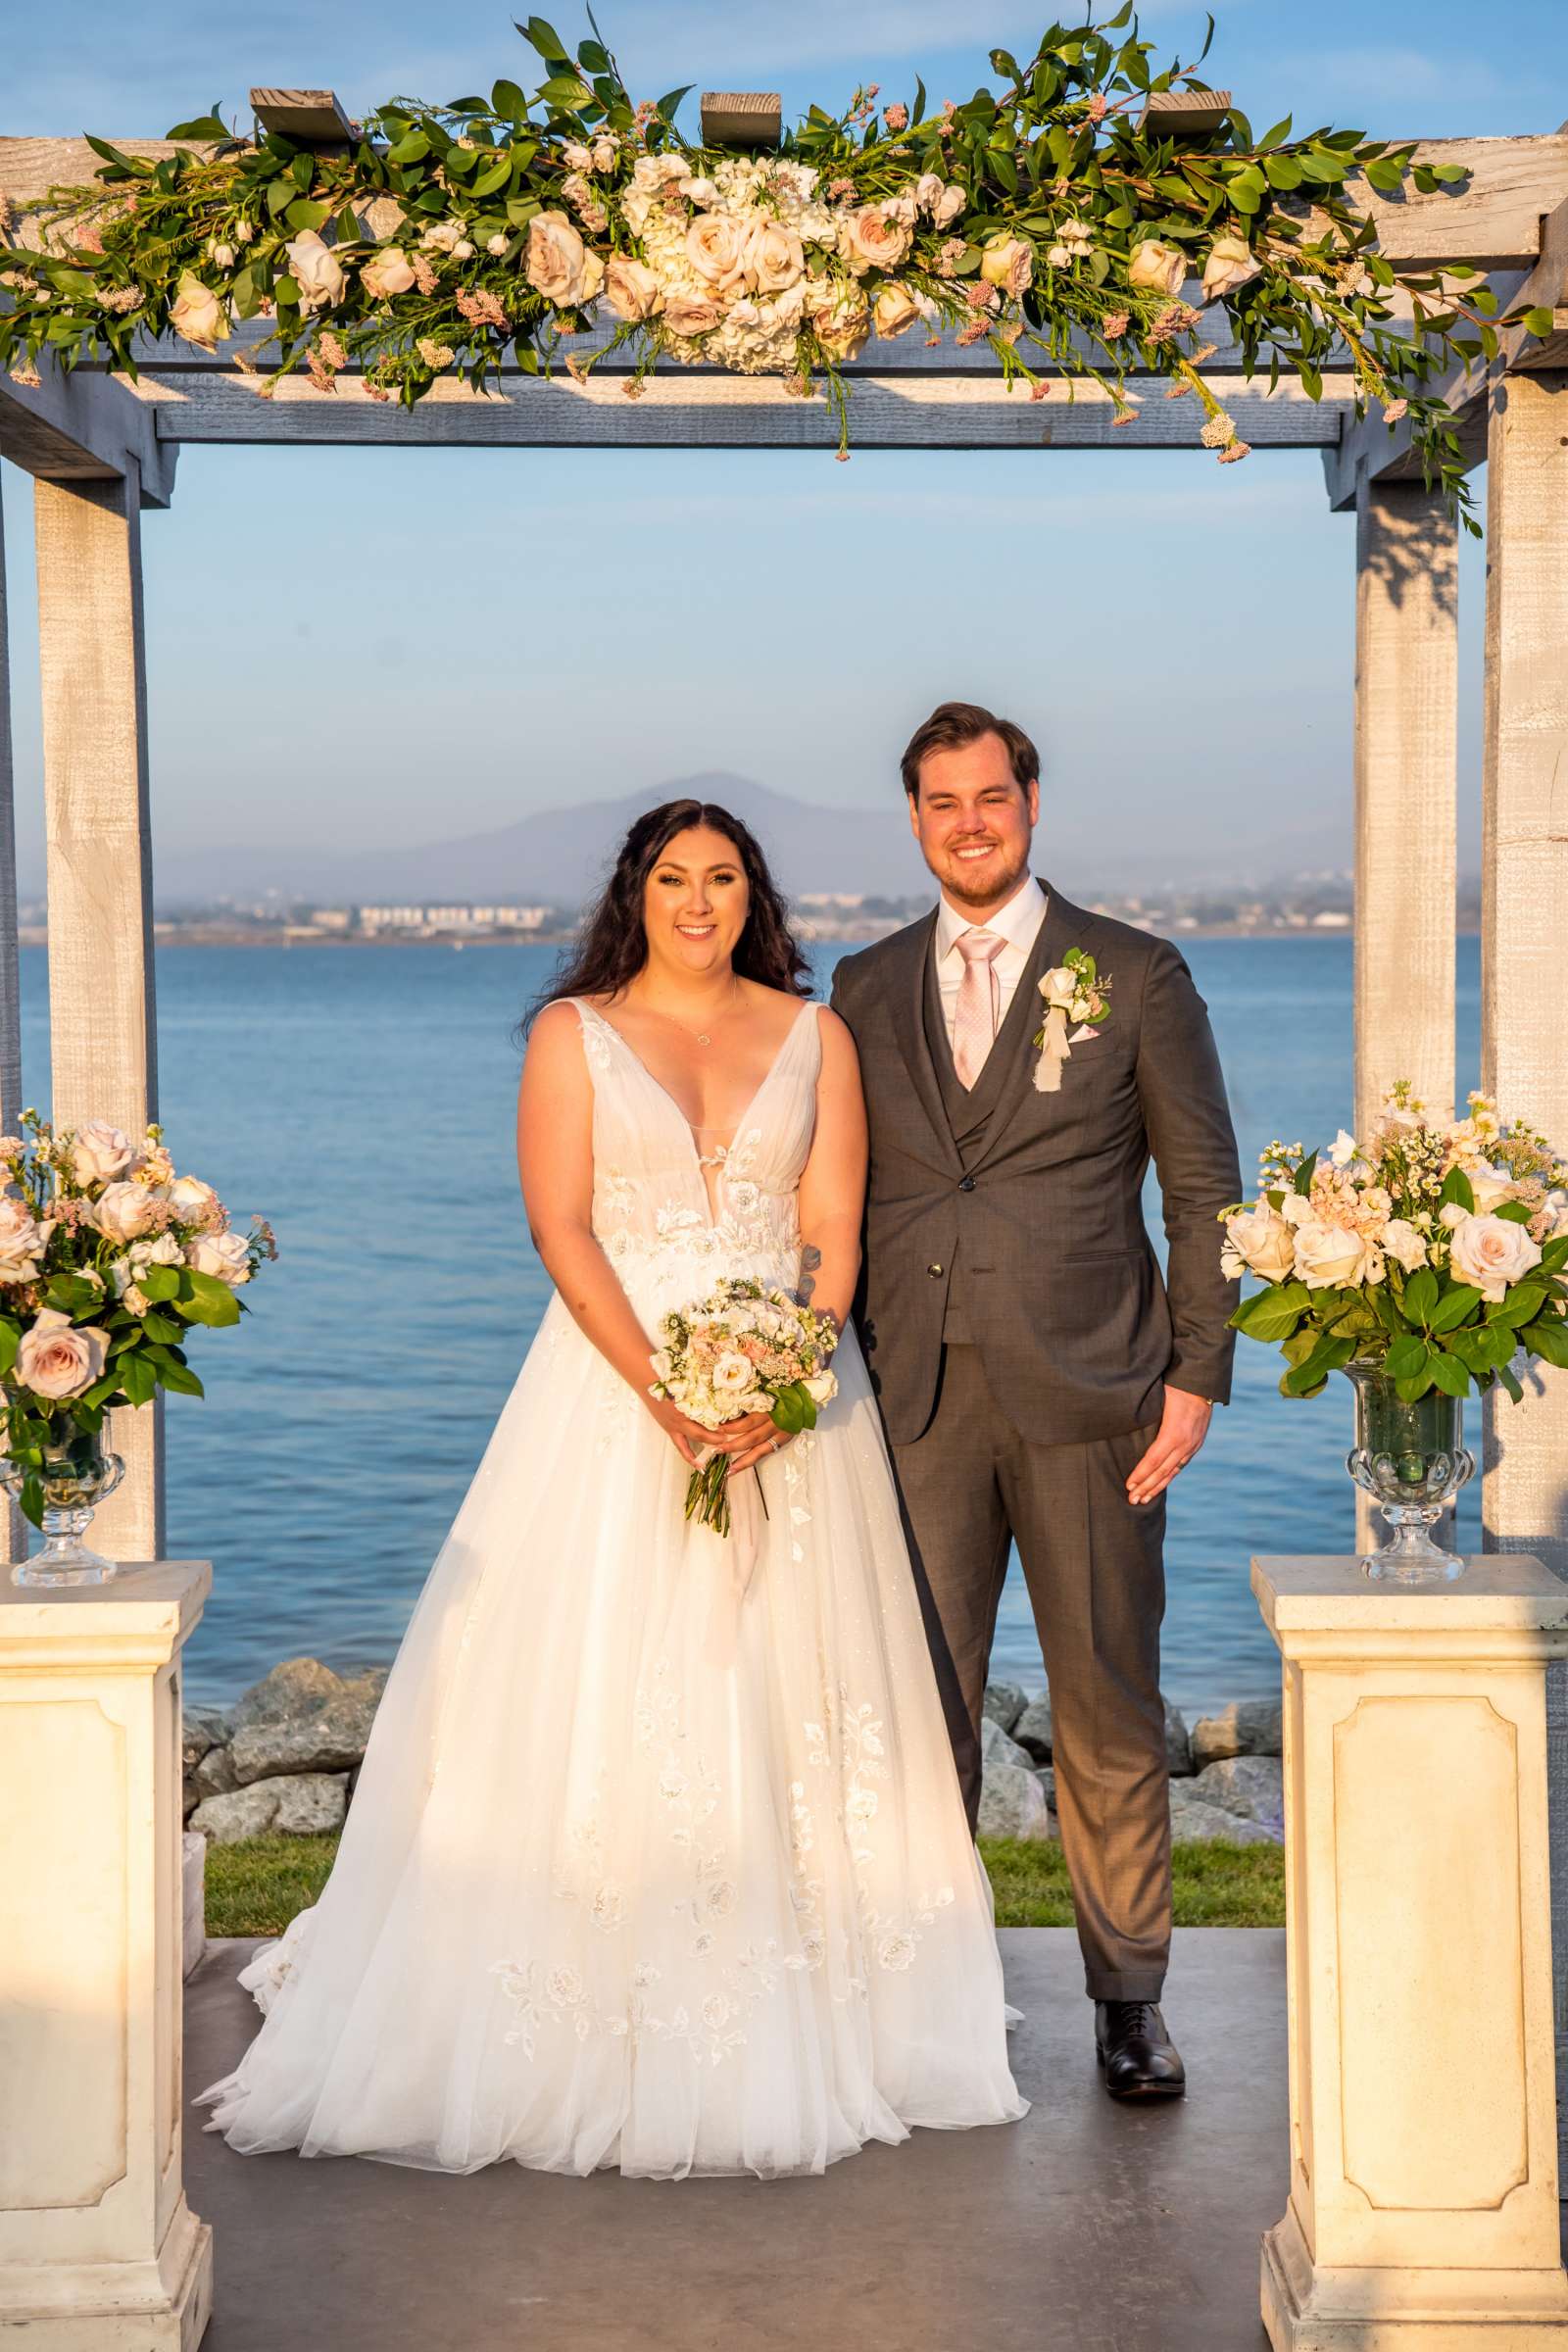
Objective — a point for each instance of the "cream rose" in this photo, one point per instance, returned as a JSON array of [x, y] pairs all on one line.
[[99, 1152], [442, 237], [558, 264], [577, 157], [194, 1202], [1329, 1257], [928, 191], [893, 313], [690, 314], [316, 271], [223, 1254], [1405, 1244], [196, 313], [1258, 1240], [1008, 263], [24, 1239], [1231, 264], [949, 205], [1157, 269], [871, 241], [716, 247], [841, 321], [57, 1358], [1492, 1252], [387, 273], [123, 1211], [1490, 1188], [773, 257], [630, 288]]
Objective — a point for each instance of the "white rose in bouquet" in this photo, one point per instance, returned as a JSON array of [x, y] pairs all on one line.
[[197, 313], [716, 247], [123, 1211], [1489, 1186], [316, 271], [928, 191], [1402, 1242], [1231, 264], [870, 240], [690, 314], [58, 1358], [1492, 1252], [630, 288], [894, 310], [23, 1239], [949, 205], [387, 273], [558, 264], [1008, 263], [1157, 267], [99, 1152], [194, 1202], [1258, 1240], [773, 257], [1330, 1258], [223, 1254]]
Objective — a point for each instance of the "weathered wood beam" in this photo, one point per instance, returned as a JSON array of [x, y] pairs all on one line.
[[309, 117], [719, 412], [13, 1527], [102, 1030], [1524, 922], [1493, 221], [83, 428], [741, 118]]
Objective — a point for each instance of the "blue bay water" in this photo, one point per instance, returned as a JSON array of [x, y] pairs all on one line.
[[363, 1098]]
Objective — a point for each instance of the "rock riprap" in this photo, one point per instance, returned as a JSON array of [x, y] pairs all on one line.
[[287, 1757]]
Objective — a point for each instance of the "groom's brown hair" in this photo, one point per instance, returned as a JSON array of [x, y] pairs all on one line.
[[950, 727]]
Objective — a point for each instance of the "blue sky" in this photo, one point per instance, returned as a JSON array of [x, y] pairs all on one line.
[[417, 645]]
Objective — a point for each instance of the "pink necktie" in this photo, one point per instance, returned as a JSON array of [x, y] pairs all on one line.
[[974, 1027]]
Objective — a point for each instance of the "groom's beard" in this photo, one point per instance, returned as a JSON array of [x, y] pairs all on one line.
[[980, 882]]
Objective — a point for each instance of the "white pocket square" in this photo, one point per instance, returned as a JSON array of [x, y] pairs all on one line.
[[1079, 1035]]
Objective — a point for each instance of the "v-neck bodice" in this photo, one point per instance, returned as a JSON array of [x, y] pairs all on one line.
[[673, 1220]]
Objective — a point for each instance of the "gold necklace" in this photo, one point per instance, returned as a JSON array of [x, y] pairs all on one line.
[[702, 1037]]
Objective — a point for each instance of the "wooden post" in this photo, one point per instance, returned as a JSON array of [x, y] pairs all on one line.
[[1524, 923], [1406, 687], [103, 1042], [1406, 718], [12, 1530]]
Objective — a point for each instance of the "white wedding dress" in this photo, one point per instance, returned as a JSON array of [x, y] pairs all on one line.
[[642, 1869]]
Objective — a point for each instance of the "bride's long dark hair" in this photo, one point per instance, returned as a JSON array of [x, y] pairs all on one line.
[[611, 946]]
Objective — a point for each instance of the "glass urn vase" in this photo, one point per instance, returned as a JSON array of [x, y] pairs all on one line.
[[1411, 1459], [77, 1473]]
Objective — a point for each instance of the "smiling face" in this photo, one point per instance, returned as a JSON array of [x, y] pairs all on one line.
[[973, 821], [695, 903]]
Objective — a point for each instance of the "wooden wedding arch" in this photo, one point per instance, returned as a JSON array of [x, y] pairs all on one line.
[[102, 450]]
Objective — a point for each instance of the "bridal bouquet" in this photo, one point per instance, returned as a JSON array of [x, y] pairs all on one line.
[[744, 1348], [1432, 1253], [107, 1257]]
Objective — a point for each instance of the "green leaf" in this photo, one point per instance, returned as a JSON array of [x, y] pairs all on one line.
[[1283, 170], [1513, 1212], [565, 90], [412, 148], [1540, 320], [137, 1378], [1329, 1355], [159, 1283], [73, 1294], [1421, 1295], [509, 101], [30, 1500], [280, 194], [543, 36], [1303, 1174], [918, 113], [10, 1342], [204, 127], [1411, 1392], [1280, 1304], [1447, 1373], [494, 175], [208, 1300], [136, 167], [1519, 1306], [1456, 1306], [1511, 1382], [1386, 1308], [180, 1377], [669, 102], [1406, 1358], [1457, 1188], [1547, 1338], [1555, 1254]]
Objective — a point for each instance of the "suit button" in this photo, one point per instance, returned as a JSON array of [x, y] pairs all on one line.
[[933, 1270], [966, 1183]]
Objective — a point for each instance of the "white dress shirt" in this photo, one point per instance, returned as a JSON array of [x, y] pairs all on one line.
[[1019, 922]]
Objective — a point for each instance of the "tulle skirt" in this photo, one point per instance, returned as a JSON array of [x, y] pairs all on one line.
[[651, 1863]]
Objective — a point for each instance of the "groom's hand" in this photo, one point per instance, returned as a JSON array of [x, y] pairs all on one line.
[[1183, 1427]]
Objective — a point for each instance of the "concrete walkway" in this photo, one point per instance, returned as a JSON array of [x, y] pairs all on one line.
[[1088, 2228]]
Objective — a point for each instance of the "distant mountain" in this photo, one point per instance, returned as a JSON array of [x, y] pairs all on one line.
[[560, 854]]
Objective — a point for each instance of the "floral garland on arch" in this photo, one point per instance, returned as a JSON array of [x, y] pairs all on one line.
[[1052, 221]]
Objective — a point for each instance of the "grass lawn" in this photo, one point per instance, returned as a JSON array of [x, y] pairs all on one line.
[[255, 1888]]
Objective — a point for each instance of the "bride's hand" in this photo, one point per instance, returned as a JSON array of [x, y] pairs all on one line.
[[687, 1437], [769, 1438]]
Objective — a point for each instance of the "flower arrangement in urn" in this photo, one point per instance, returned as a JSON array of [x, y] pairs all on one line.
[[1423, 1264], [107, 1257]]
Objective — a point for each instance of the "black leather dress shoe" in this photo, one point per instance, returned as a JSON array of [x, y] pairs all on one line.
[[1140, 2059]]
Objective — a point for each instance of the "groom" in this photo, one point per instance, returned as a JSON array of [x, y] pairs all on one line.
[[1040, 1383]]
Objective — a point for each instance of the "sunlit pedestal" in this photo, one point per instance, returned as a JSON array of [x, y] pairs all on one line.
[[1423, 2205], [99, 2251]]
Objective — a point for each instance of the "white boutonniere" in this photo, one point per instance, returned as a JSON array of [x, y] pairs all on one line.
[[1072, 992]]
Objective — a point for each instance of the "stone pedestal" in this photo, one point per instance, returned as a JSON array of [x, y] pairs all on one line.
[[99, 2251], [1423, 2206]]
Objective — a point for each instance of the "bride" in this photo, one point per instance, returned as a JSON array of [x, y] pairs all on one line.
[[658, 1857]]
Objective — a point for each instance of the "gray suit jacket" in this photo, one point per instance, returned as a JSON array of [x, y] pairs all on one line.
[[1042, 1208]]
